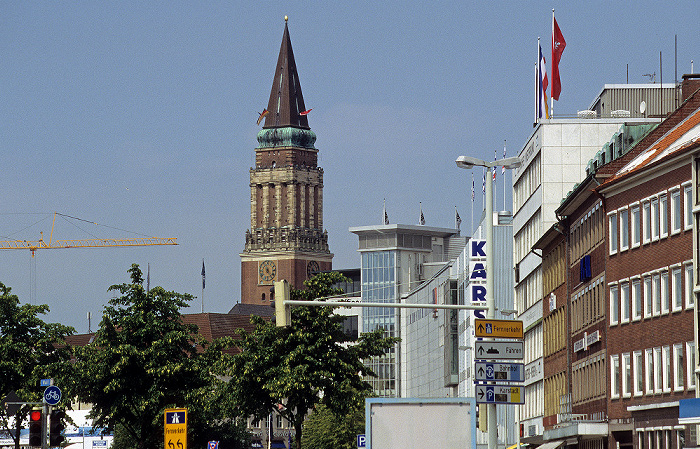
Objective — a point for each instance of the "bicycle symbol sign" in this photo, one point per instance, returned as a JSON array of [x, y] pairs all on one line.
[[52, 395]]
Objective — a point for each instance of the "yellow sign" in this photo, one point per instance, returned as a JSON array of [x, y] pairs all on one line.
[[498, 328], [175, 428]]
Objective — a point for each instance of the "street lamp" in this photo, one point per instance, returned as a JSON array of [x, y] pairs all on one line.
[[468, 162]]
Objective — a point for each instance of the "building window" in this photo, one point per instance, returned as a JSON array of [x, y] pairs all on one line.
[[666, 375], [638, 368], [625, 302], [655, 219], [626, 376], [612, 226], [664, 292], [676, 217], [624, 230], [690, 369], [657, 294], [649, 363], [678, 367], [677, 289], [648, 297], [663, 215], [614, 376], [614, 305], [646, 222], [688, 206], [689, 297], [636, 226], [636, 299], [658, 370]]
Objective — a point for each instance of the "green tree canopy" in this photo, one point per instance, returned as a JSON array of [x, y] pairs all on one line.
[[290, 370], [143, 360], [30, 349]]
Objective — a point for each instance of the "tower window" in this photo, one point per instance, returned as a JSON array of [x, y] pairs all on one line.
[[263, 296]]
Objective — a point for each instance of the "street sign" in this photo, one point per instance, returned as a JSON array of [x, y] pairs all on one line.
[[45, 382], [52, 395], [175, 428], [498, 328], [99, 443], [213, 445], [499, 350], [490, 371], [361, 441], [499, 394]]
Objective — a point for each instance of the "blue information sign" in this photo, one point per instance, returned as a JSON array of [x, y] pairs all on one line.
[[52, 395]]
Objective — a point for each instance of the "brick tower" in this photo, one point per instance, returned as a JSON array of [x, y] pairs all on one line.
[[286, 239]]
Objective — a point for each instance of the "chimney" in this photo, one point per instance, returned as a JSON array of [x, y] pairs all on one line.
[[691, 83]]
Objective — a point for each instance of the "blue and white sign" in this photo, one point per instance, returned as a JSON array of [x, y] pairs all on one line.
[[52, 395], [494, 371], [99, 443], [361, 441], [45, 382], [476, 291], [213, 445]]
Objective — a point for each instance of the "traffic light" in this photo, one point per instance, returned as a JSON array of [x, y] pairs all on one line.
[[283, 312], [35, 427], [56, 427]]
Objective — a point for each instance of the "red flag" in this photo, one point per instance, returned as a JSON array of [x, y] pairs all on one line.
[[262, 115], [558, 45], [305, 112]]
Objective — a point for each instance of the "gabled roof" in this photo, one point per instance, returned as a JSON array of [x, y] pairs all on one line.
[[286, 100]]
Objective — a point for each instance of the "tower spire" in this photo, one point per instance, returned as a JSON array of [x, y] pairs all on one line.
[[286, 100]]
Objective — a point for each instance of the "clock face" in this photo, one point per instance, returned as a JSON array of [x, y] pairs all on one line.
[[267, 270], [311, 269]]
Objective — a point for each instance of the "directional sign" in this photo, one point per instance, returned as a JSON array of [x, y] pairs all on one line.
[[499, 350], [175, 428], [52, 395], [498, 328], [499, 394], [490, 371]]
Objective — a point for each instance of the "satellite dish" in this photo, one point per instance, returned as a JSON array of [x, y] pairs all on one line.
[[643, 107]]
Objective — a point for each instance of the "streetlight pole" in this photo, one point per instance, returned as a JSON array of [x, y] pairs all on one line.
[[468, 162]]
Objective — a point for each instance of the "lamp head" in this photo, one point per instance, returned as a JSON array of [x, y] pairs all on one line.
[[468, 162]]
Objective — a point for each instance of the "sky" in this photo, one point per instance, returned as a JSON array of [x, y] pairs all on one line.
[[139, 119]]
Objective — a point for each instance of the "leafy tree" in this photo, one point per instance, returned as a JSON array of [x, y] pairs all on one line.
[[290, 370], [324, 429], [143, 360], [30, 349]]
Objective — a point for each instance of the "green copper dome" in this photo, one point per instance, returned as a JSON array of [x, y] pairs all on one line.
[[286, 137]]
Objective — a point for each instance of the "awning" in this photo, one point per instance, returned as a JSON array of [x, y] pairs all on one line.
[[551, 444], [278, 445]]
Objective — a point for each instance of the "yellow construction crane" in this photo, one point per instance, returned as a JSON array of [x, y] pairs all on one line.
[[34, 245]]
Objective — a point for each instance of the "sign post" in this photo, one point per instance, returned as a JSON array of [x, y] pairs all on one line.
[[175, 428]]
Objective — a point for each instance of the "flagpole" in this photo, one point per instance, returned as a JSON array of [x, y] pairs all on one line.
[[472, 215], [537, 83], [551, 109], [503, 175]]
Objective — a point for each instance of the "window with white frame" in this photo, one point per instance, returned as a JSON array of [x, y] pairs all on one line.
[[654, 219], [636, 299], [636, 226], [614, 376], [689, 297], [663, 215], [678, 367], [664, 292], [624, 229], [690, 365], [658, 370], [625, 302], [626, 375], [646, 221], [614, 305], [656, 279], [638, 368], [688, 205], [666, 354], [677, 288], [676, 217], [648, 296], [649, 371], [612, 226]]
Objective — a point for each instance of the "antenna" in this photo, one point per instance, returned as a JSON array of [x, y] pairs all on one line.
[[652, 77]]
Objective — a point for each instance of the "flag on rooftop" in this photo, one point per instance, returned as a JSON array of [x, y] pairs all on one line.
[[203, 274], [558, 46], [305, 112], [503, 167], [262, 115], [421, 220], [458, 219], [542, 83]]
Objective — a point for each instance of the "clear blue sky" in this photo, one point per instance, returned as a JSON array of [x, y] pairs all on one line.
[[140, 116]]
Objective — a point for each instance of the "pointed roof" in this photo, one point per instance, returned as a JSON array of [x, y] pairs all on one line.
[[286, 101]]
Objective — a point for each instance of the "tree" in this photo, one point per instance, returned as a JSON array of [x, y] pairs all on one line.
[[30, 349], [143, 360], [290, 370], [324, 429]]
